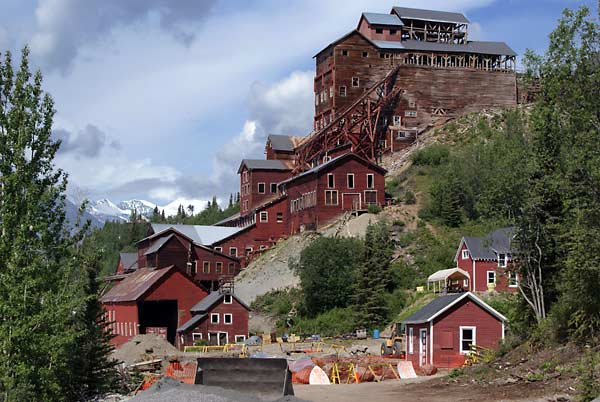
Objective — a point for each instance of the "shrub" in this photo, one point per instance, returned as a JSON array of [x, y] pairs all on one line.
[[410, 198], [334, 322], [201, 342], [433, 155], [374, 209]]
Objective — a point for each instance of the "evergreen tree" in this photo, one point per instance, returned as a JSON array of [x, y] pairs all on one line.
[[230, 205], [163, 217], [374, 278], [38, 271]]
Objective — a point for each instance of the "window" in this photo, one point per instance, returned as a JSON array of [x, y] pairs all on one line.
[[330, 180], [410, 113], [331, 197], [355, 82], [378, 30], [392, 32], [248, 250], [344, 53], [196, 336], [397, 121], [513, 279], [227, 299], [245, 176], [240, 338], [228, 318], [279, 217], [412, 103], [410, 340], [262, 247], [467, 338], [206, 267], [370, 197], [491, 277], [350, 177], [233, 251], [331, 92], [219, 267], [370, 180], [219, 249], [365, 54], [261, 188], [402, 134], [231, 268], [317, 99], [214, 318], [326, 158], [264, 216], [343, 90], [502, 260], [465, 254], [273, 187], [195, 270]]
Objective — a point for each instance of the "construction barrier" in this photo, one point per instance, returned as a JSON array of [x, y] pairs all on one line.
[[185, 373]]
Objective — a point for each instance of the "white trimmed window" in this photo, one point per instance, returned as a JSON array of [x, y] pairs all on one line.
[[206, 267], [465, 254], [342, 90], [468, 337], [228, 318], [261, 188], [330, 180], [219, 267], [279, 217], [331, 92], [240, 338], [411, 334], [370, 197], [273, 187], [214, 318], [491, 277], [219, 249], [227, 299], [350, 180], [410, 113], [331, 197], [196, 336], [355, 82], [248, 250], [502, 259], [233, 251], [513, 279], [370, 180], [264, 216], [231, 268], [397, 120]]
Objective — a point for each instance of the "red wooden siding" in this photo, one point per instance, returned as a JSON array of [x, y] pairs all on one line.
[[253, 198], [479, 273]]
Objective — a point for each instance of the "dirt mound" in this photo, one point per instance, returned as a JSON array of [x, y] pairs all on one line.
[[144, 347], [271, 271]]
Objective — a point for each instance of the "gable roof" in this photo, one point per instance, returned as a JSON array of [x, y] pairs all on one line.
[[443, 303], [135, 285], [283, 142], [429, 15], [213, 298], [200, 234], [192, 323], [264, 164], [382, 19], [157, 245], [333, 162], [489, 246], [129, 261], [335, 42]]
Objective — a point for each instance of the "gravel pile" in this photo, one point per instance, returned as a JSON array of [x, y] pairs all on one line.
[[144, 347], [170, 390]]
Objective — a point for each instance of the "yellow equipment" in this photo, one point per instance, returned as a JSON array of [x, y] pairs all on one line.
[[394, 345]]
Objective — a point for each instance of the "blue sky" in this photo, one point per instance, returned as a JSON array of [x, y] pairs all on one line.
[[160, 99]]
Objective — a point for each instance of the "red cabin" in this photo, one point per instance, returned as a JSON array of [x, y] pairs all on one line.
[[442, 332], [220, 318], [488, 261], [151, 298], [258, 181]]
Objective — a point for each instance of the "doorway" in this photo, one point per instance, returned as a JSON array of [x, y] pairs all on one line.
[[422, 346], [218, 338]]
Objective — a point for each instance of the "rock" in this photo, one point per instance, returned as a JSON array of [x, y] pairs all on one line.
[[428, 369]]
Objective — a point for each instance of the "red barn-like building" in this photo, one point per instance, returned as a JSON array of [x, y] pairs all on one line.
[[441, 333], [219, 318], [152, 298], [487, 260]]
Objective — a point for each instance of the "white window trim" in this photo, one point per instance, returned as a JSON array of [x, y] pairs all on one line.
[[333, 179], [199, 334], [357, 82], [277, 217], [240, 336], [516, 285], [271, 185], [263, 185], [225, 299], [465, 254], [231, 319], [219, 249], [460, 334], [266, 216], [503, 265], [337, 201], [411, 343], [348, 180], [234, 253], [397, 120], [487, 277], [345, 92], [372, 180], [214, 315], [217, 270], [207, 264], [376, 197]]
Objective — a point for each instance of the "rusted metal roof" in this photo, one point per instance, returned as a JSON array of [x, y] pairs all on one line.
[[158, 244], [264, 164], [135, 285], [430, 15], [129, 261]]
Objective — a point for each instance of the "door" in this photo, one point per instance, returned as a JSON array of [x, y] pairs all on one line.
[[422, 346], [218, 338], [351, 201]]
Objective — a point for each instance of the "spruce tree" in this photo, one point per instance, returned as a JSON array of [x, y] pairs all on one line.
[[38, 273]]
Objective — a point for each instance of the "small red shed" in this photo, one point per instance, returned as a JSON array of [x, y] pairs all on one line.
[[441, 333], [157, 298], [219, 318]]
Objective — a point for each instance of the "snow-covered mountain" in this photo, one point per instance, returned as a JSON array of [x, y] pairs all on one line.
[[142, 207], [171, 208], [106, 210]]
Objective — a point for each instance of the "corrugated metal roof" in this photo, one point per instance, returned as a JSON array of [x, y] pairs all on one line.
[[191, 323], [213, 298], [199, 234], [281, 142], [158, 243], [488, 247], [444, 302], [135, 285], [430, 15], [264, 164], [129, 261], [479, 47], [382, 19]]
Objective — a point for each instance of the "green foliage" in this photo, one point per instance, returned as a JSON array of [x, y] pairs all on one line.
[[278, 303], [374, 209], [454, 373], [374, 277], [199, 343], [589, 379], [404, 275], [330, 323], [396, 301], [210, 215], [410, 198], [327, 270], [433, 155]]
